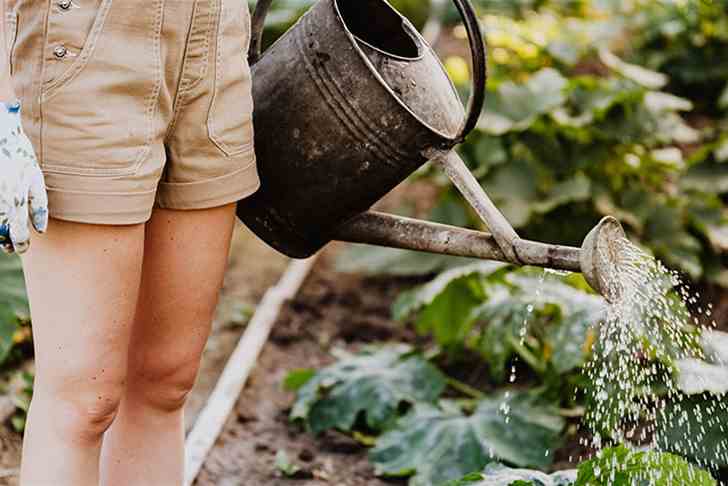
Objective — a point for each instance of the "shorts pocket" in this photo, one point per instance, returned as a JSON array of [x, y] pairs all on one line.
[[230, 123], [97, 116], [71, 38], [11, 33]]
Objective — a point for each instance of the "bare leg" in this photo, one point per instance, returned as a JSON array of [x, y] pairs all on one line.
[[83, 283], [185, 259]]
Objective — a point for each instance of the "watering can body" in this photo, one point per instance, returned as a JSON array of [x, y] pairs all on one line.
[[348, 103]]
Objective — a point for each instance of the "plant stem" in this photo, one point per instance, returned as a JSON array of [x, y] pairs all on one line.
[[464, 388]]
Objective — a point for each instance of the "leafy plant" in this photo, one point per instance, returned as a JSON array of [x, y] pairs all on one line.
[[374, 384], [284, 465], [501, 313], [621, 466], [618, 466], [434, 444], [21, 396], [13, 304], [498, 474], [686, 40], [694, 424]]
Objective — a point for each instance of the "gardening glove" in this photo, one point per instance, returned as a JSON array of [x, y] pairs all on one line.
[[22, 188]]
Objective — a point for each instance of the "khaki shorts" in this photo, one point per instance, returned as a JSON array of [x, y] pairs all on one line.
[[135, 103]]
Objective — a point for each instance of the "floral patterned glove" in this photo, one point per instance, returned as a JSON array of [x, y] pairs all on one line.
[[22, 189]]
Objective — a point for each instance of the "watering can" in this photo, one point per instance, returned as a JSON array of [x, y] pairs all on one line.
[[350, 102]]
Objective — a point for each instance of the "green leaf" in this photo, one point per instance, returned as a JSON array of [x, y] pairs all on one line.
[[707, 177], [489, 152], [696, 376], [410, 302], [8, 327], [373, 260], [695, 427], [297, 378], [590, 99], [499, 475], [434, 445], [514, 107], [373, 384], [562, 314], [12, 285], [620, 466], [450, 210], [284, 465], [514, 188], [638, 74], [13, 301], [576, 189], [723, 101]]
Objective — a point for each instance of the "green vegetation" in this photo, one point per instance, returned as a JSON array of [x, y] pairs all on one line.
[[617, 466], [594, 108]]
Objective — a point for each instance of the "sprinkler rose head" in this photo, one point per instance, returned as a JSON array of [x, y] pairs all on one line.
[[600, 257]]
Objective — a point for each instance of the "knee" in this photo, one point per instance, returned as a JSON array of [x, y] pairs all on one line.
[[81, 413], [166, 384]]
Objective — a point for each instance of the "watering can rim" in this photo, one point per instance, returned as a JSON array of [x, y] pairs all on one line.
[[423, 47], [477, 45]]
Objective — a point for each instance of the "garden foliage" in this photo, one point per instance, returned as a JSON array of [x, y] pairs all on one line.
[[618, 466], [374, 384], [13, 304], [593, 108]]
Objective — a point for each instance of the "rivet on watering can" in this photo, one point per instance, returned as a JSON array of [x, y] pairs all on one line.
[[65, 4]]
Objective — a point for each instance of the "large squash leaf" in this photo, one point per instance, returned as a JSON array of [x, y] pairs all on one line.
[[695, 427], [515, 107], [444, 306], [437, 444], [491, 309], [500, 475], [558, 315], [621, 466], [373, 384], [618, 466]]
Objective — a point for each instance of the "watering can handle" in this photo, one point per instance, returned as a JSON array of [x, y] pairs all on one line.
[[477, 49], [257, 27]]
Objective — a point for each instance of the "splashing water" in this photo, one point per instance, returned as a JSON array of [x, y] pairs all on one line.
[[643, 334]]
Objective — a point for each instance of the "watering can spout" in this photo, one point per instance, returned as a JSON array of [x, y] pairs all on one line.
[[596, 259]]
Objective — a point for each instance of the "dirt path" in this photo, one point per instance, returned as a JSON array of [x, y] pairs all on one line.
[[332, 310]]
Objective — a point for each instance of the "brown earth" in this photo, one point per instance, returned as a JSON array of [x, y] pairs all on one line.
[[331, 311]]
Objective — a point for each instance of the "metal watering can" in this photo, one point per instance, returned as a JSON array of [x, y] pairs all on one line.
[[350, 102]]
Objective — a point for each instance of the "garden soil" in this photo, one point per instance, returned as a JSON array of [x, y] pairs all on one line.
[[331, 311]]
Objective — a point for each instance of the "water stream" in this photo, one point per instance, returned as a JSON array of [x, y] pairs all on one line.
[[643, 336], [654, 325]]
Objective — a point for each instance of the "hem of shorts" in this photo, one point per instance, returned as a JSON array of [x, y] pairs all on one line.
[[112, 208], [210, 193]]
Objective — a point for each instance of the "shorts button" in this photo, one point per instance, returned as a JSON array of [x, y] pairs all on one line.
[[64, 4], [60, 52]]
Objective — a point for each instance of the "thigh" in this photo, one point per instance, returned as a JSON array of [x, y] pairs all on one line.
[[83, 283], [185, 258]]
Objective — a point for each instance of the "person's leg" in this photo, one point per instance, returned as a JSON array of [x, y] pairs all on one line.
[[186, 255], [83, 283]]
